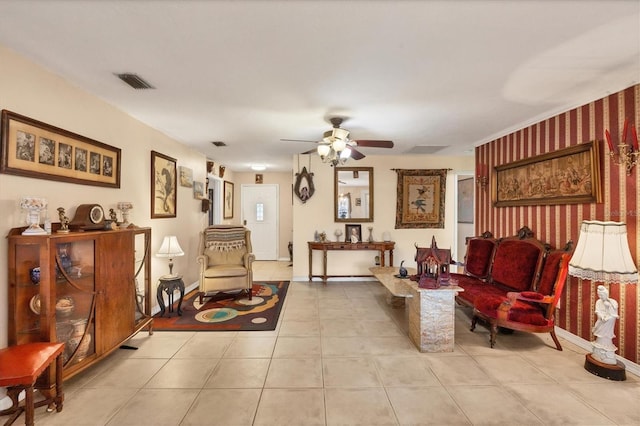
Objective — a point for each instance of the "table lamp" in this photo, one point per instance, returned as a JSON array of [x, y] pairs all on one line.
[[170, 248], [602, 255]]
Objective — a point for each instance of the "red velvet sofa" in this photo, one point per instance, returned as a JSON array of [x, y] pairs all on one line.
[[513, 282]]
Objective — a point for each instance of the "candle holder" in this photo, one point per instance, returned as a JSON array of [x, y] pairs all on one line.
[[626, 156], [482, 182], [482, 176], [33, 206]]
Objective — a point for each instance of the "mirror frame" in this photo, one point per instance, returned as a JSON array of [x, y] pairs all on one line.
[[336, 192]]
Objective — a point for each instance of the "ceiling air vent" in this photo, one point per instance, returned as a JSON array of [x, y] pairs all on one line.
[[219, 143], [135, 81]]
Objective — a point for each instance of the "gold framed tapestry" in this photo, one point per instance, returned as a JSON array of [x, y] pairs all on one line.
[[566, 176], [420, 198]]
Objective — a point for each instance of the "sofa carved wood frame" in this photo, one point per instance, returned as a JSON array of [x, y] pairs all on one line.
[[531, 311]]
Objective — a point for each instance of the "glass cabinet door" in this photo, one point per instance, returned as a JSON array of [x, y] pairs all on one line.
[[25, 305], [73, 269]]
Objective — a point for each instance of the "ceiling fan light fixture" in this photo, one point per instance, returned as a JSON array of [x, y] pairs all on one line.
[[339, 145], [337, 133], [346, 153], [323, 150]]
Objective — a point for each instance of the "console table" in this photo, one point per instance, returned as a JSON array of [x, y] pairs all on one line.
[[380, 246]]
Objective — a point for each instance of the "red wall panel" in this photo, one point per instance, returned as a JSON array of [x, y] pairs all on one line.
[[557, 224]]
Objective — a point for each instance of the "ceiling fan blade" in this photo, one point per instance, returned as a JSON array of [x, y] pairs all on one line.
[[355, 154], [311, 151], [297, 140], [374, 143]]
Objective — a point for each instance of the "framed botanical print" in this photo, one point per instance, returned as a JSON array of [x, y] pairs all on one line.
[[163, 186], [186, 176], [228, 200]]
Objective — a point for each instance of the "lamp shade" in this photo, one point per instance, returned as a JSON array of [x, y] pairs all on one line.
[[323, 150], [602, 254], [170, 247], [339, 145]]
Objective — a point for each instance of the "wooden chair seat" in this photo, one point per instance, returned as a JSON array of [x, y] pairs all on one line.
[[20, 367]]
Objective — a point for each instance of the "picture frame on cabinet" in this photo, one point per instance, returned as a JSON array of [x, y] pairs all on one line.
[[35, 149], [163, 186]]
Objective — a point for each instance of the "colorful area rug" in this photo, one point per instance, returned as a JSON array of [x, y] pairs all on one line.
[[233, 314]]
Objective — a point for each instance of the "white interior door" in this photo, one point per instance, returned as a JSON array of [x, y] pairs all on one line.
[[260, 215]]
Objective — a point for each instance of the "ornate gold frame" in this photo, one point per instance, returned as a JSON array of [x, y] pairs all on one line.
[[566, 176]]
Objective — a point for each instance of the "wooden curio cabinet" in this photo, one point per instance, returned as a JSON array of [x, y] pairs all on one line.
[[87, 289]]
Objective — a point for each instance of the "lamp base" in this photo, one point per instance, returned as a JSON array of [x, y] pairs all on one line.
[[608, 371]]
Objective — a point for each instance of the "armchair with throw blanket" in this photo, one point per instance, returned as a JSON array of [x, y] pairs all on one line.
[[225, 260]]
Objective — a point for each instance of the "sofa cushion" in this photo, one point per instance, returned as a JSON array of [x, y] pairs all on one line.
[[527, 313], [478, 257], [550, 272], [475, 288], [227, 270], [488, 302], [515, 264]]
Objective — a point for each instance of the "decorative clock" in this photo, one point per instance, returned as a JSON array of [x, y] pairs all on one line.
[[88, 216]]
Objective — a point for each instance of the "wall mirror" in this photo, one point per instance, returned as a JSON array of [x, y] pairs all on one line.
[[353, 194]]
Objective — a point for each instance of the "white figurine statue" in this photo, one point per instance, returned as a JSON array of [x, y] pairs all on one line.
[[607, 313]]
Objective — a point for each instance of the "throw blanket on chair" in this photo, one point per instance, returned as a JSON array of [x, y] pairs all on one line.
[[224, 238]]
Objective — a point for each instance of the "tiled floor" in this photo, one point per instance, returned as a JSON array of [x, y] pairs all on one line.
[[340, 356]]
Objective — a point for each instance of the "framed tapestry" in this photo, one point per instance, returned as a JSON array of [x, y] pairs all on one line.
[[566, 176], [35, 149], [420, 198], [163, 186]]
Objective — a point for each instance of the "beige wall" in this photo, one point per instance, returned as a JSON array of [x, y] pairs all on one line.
[[317, 213], [29, 90]]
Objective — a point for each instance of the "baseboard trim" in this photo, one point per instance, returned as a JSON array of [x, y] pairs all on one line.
[[631, 367]]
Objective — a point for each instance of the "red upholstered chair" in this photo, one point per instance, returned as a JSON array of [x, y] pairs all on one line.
[[20, 367]]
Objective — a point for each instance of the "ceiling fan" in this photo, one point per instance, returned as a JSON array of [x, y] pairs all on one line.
[[336, 146]]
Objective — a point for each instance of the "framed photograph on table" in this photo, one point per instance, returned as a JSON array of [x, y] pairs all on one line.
[[163, 186], [353, 233], [228, 200]]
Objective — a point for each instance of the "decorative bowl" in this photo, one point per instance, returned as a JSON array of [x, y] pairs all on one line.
[[64, 306]]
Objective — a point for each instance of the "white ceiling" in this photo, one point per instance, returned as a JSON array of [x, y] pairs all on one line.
[[424, 74]]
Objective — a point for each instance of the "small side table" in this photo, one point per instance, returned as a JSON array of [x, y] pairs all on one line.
[[169, 284]]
